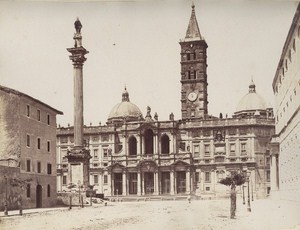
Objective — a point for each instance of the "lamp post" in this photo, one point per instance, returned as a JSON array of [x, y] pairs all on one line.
[[5, 203], [252, 190], [243, 194], [248, 180]]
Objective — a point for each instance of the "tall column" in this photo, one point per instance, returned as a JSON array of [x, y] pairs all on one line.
[[213, 180], [112, 183], [156, 183], [78, 156], [172, 182], [109, 183], [202, 181], [100, 182], [143, 183], [141, 144], [188, 181], [124, 183], [139, 183], [175, 182]]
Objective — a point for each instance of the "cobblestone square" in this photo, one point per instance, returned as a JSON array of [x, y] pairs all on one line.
[[175, 215]]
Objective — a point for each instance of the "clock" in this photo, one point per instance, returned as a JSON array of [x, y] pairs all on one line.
[[192, 96]]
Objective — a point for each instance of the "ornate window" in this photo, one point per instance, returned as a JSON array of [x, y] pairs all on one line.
[[165, 144], [232, 150], [206, 150], [64, 154], [105, 179], [96, 181], [95, 154], [196, 150], [105, 152], [64, 180], [243, 148], [148, 138], [207, 177], [132, 146]]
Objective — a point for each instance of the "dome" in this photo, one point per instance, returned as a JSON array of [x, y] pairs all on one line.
[[251, 101], [125, 109]]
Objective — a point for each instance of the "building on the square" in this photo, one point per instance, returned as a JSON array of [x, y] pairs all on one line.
[[140, 155], [286, 144], [28, 150]]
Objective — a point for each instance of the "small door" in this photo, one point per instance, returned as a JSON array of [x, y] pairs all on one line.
[[165, 182], [149, 182], [181, 183], [118, 184], [39, 196], [132, 183]]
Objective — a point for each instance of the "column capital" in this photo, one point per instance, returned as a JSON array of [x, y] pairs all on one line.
[[77, 56]]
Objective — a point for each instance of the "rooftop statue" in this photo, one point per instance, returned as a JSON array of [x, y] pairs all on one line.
[[77, 25]]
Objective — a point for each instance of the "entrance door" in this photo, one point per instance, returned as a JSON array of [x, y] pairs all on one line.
[[39, 196], [118, 183], [132, 183], [149, 182], [165, 182], [180, 181]]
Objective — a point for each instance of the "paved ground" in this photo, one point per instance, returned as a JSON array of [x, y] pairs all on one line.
[[175, 215]]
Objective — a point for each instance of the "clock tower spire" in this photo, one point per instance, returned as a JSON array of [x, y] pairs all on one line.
[[193, 72]]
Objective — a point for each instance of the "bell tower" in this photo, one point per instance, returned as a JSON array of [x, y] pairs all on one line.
[[193, 72]]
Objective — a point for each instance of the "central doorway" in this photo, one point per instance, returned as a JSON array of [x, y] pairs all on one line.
[[180, 182], [118, 184], [39, 196], [165, 182], [132, 183], [149, 182]]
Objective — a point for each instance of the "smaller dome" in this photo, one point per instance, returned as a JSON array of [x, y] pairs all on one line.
[[125, 110], [251, 101]]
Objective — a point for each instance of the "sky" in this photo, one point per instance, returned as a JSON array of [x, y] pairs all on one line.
[[136, 43]]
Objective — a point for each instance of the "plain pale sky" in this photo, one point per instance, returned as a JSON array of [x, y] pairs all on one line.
[[137, 43]]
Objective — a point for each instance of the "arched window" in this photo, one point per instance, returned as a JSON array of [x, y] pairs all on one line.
[[48, 191], [165, 144], [132, 146], [148, 137]]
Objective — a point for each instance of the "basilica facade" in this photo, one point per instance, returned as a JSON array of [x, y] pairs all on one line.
[[139, 155]]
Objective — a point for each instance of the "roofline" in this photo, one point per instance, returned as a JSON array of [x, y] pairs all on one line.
[[286, 44], [9, 90]]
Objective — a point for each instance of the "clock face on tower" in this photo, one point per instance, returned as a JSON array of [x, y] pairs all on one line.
[[192, 96]]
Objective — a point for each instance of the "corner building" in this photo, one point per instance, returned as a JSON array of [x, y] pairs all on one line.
[[286, 144], [136, 155], [28, 150]]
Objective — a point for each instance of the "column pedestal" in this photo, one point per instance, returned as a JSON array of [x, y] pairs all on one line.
[[78, 159]]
